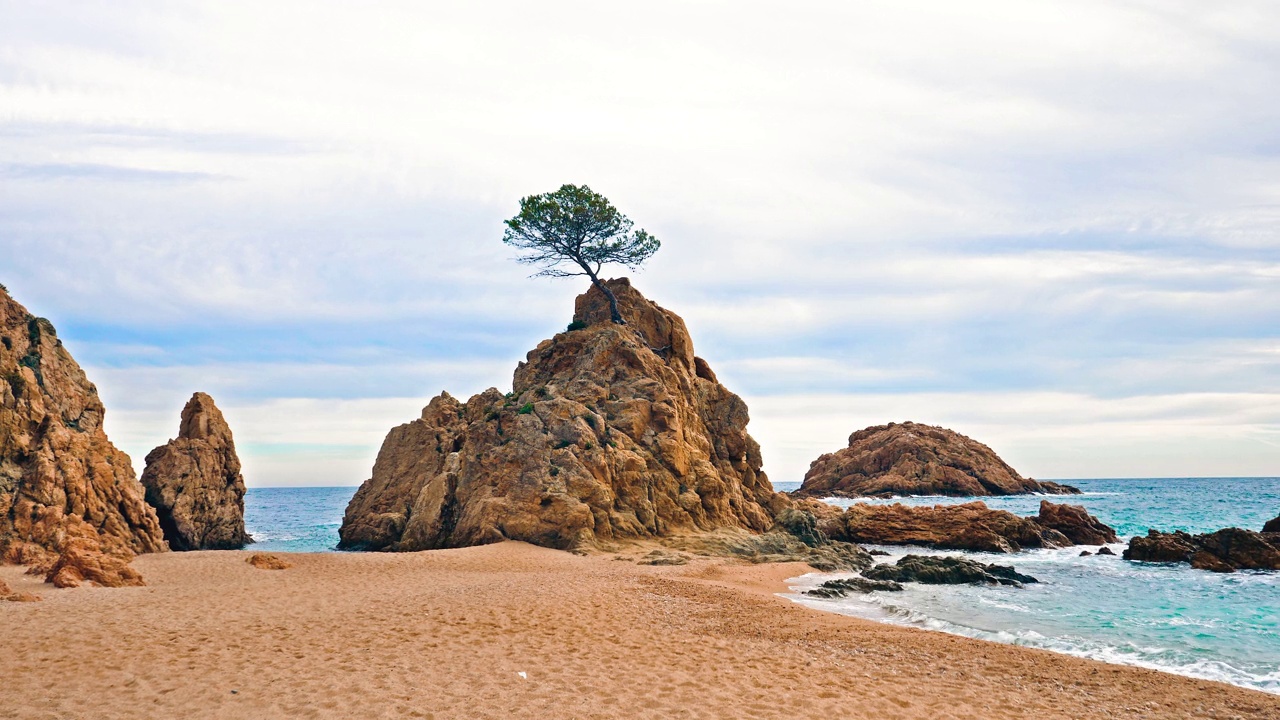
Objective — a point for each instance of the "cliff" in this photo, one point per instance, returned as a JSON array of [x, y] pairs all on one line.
[[912, 459], [610, 432], [194, 482], [61, 479]]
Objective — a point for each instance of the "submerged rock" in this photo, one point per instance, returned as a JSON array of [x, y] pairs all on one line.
[[913, 459], [843, 586], [1225, 550], [1076, 523], [946, 570], [610, 432], [61, 479], [971, 526], [194, 482]]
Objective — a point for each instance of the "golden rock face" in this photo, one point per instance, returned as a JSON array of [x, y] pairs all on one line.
[[610, 432], [61, 479]]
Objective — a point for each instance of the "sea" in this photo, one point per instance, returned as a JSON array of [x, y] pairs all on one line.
[[1222, 627]]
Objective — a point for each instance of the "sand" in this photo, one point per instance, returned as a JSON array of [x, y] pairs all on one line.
[[513, 630]]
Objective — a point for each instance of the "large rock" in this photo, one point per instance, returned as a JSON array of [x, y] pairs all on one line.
[[1076, 523], [60, 477], [194, 482], [610, 432], [971, 526], [941, 570], [901, 459], [1225, 550], [1272, 526]]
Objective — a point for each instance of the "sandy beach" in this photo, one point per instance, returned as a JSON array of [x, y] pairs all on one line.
[[514, 630]]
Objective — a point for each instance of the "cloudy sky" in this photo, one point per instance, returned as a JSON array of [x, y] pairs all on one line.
[[1053, 226]]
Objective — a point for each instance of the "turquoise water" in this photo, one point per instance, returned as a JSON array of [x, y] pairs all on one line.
[[295, 519], [1173, 618], [1167, 617]]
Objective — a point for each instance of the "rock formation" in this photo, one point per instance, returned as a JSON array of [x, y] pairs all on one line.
[[1226, 550], [265, 561], [971, 526], [1076, 523], [1272, 526], [843, 586], [611, 432], [194, 482], [937, 570], [61, 479], [913, 459]]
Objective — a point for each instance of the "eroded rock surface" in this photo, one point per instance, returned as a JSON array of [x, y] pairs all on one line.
[[908, 458], [60, 477], [1076, 523], [1226, 550], [971, 526], [943, 570], [610, 432], [194, 482]]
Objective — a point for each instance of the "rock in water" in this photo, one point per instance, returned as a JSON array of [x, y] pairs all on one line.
[[943, 570], [610, 432], [1225, 550], [1272, 526], [60, 477], [194, 482], [1076, 523], [912, 459], [971, 526]]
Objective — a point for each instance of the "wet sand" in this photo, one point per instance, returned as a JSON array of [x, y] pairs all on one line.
[[513, 630]]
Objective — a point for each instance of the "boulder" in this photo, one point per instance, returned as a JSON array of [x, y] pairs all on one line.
[[1076, 523], [611, 432], [945, 570], [1104, 550], [264, 561], [82, 560], [194, 482], [971, 526], [61, 479], [1225, 550], [1272, 526], [901, 459], [843, 586]]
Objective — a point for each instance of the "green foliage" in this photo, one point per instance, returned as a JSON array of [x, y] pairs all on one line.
[[575, 325], [554, 471], [491, 415], [525, 409], [575, 226], [542, 391], [588, 445]]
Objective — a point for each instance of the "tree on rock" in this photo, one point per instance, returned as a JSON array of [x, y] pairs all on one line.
[[576, 231]]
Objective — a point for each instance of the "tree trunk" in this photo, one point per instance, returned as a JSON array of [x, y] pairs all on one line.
[[614, 315]]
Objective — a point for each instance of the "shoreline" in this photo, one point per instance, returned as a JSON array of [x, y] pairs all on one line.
[[447, 633]]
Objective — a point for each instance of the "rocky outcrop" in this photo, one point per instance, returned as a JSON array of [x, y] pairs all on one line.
[[971, 526], [61, 479], [1272, 526], [1226, 550], [843, 586], [1076, 523], [265, 561], [901, 459], [610, 432], [940, 570], [194, 482]]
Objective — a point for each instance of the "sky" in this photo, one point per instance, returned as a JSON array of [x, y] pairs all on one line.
[[1052, 226]]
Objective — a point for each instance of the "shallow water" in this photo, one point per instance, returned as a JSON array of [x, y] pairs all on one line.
[[1168, 617], [302, 519]]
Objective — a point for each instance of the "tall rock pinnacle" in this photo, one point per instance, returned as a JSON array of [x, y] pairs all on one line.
[[610, 432], [194, 482], [61, 479]]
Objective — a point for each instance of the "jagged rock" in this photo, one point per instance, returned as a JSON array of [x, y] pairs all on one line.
[[610, 432], [1272, 526], [1076, 523], [942, 570], [802, 524], [264, 561], [843, 586], [971, 526], [1225, 550], [194, 482], [82, 560], [907, 458], [60, 477]]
